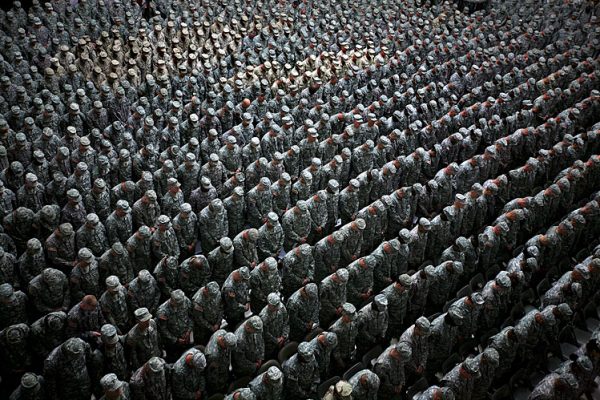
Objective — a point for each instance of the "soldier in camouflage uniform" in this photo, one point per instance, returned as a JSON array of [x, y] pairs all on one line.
[[268, 385], [398, 296], [92, 235], [143, 339], [270, 237], [150, 381], [139, 249], [114, 305], [236, 210], [303, 310], [365, 385], [302, 374], [32, 262], [245, 251], [298, 269], [85, 319], [296, 225], [360, 280], [218, 359], [31, 388], [164, 239], [236, 296], [109, 357], [249, 352], [143, 291], [48, 332], [461, 379], [49, 291], [60, 247], [346, 328], [280, 190], [14, 306], [353, 238], [119, 223], [97, 200], [73, 212], [326, 253], [113, 388], [264, 279], [488, 362], [167, 276], [332, 296], [213, 225], [259, 202], [115, 261], [416, 336], [276, 327], [175, 323], [194, 273], [221, 260], [146, 210], [372, 321], [323, 345], [207, 311], [67, 371], [185, 225], [85, 277], [389, 367], [187, 376]]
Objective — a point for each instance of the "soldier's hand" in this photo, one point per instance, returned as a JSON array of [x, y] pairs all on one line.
[[198, 395], [303, 240], [319, 229], [96, 334], [280, 341], [420, 369], [398, 389], [309, 325], [338, 310]]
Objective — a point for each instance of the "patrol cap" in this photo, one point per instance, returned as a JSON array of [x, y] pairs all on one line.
[[29, 380], [163, 220], [404, 235], [109, 334], [244, 273], [271, 264], [477, 298], [6, 290], [491, 356], [471, 365], [381, 301], [305, 350], [110, 382], [112, 282], [311, 289], [273, 299], [142, 314], [226, 244], [404, 349], [274, 374], [301, 204], [156, 364], [73, 346], [230, 339], [348, 310], [177, 296], [144, 231], [342, 274], [73, 194], [503, 280], [123, 205], [34, 244], [404, 280], [65, 229], [423, 324], [564, 310], [255, 323], [84, 254], [212, 288], [424, 223]]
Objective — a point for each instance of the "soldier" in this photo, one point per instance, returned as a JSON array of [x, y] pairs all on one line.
[[146, 210], [259, 202], [323, 345], [435, 392], [119, 223], [150, 381], [303, 309], [113, 303], [416, 336], [249, 353], [60, 247], [443, 337], [143, 339], [185, 225], [264, 279], [174, 322], [213, 225], [110, 355], [281, 192], [236, 210], [488, 362], [31, 387], [349, 201], [167, 276], [187, 375], [398, 297], [85, 319], [66, 371], [326, 254], [138, 247], [389, 367], [85, 277], [332, 296], [302, 373], [73, 212], [365, 385], [113, 388], [221, 260], [268, 385], [245, 252], [143, 291], [172, 199], [298, 269], [296, 225], [97, 200], [207, 312], [372, 321], [235, 294], [92, 235], [49, 291], [194, 273], [276, 327], [218, 359], [346, 328], [461, 379], [164, 239], [270, 237], [115, 261], [14, 306], [360, 280], [48, 332], [351, 247]]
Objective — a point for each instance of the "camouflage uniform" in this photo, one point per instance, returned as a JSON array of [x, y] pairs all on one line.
[[119, 224], [143, 339], [213, 225], [245, 251], [270, 237], [250, 350], [360, 280], [167, 276], [207, 311], [85, 319], [236, 295], [398, 297], [49, 291], [302, 374], [389, 367], [218, 358], [14, 306], [298, 269], [143, 291], [264, 279], [221, 260], [332, 296], [296, 225], [92, 235], [276, 327], [174, 321], [85, 277], [187, 375], [303, 309], [268, 385], [194, 273], [115, 261], [164, 239], [365, 385], [323, 345], [372, 321], [138, 246], [48, 332], [66, 371], [346, 328], [113, 303], [150, 381]]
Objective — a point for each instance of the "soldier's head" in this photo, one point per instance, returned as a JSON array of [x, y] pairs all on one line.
[[305, 352], [401, 351], [33, 246], [122, 208], [226, 245], [155, 365], [73, 348], [340, 276], [112, 386], [348, 312], [403, 282], [253, 325], [88, 303], [227, 340]]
